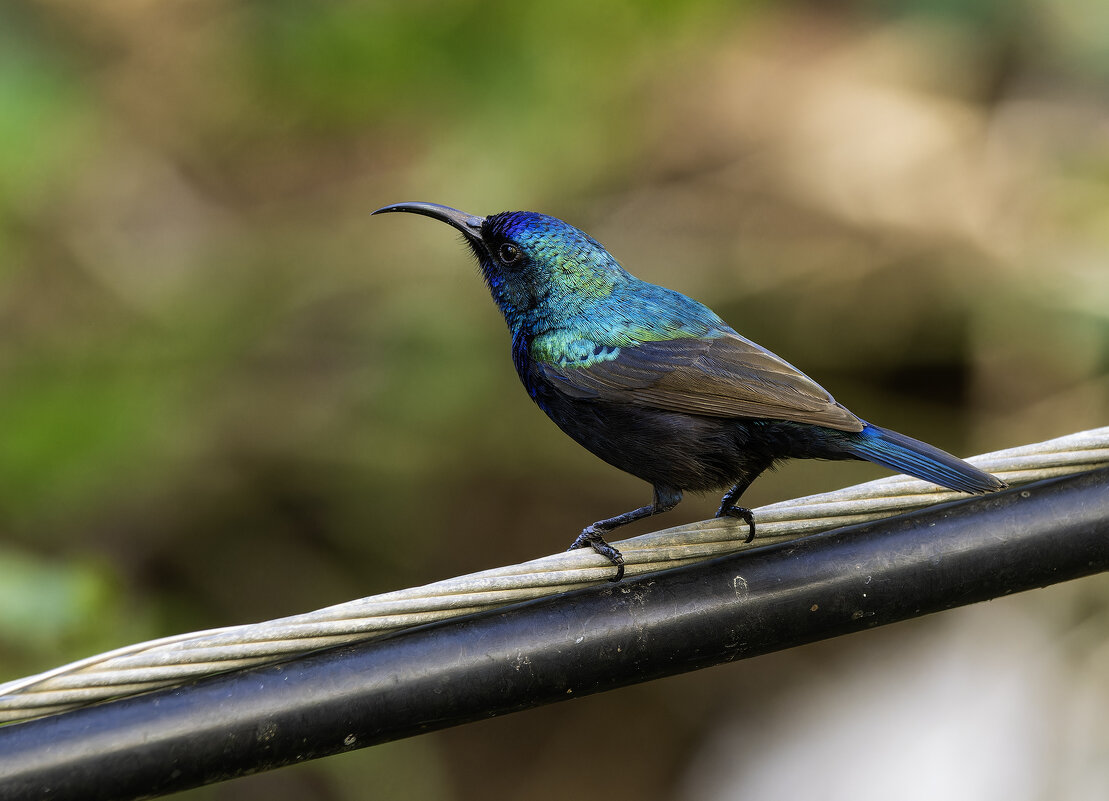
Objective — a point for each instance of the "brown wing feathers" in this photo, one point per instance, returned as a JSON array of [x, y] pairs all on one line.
[[727, 376]]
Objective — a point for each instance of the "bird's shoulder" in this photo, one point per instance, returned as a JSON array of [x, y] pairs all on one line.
[[629, 316]]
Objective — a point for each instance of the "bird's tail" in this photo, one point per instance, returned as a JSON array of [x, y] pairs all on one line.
[[907, 455]]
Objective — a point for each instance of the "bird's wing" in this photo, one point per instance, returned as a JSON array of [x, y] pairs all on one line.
[[725, 376]]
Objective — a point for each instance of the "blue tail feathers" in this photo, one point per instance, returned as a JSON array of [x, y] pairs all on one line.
[[907, 455]]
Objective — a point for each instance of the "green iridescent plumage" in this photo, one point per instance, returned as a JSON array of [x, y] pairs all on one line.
[[596, 334]]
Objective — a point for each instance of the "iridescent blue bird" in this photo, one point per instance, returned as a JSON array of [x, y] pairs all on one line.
[[658, 385]]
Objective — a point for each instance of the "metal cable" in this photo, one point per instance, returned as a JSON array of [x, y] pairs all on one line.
[[175, 660]]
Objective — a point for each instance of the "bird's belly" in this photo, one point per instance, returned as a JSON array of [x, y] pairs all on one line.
[[675, 450]]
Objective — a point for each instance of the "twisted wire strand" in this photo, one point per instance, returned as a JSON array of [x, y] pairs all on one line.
[[174, 660]]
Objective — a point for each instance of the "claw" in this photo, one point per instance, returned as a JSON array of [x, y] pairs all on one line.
[[741, 513], [590, 537]]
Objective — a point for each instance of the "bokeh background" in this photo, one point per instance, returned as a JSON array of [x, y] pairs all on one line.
[[227, 394]]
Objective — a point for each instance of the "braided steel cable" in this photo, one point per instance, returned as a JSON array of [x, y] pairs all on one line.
[[174, 660]]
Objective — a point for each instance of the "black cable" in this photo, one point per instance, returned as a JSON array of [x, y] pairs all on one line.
[[567, 646]]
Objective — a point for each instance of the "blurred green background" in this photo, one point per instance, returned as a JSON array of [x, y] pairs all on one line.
[[227, 394]]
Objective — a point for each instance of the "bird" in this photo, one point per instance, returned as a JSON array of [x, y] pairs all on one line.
[[655, 383]]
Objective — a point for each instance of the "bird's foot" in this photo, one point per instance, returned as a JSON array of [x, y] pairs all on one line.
[[593, 537], [742, 513]]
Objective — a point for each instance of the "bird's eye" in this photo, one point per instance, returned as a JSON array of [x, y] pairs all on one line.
[[509, 253]]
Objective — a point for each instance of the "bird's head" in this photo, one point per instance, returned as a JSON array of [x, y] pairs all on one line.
[[539, 269]]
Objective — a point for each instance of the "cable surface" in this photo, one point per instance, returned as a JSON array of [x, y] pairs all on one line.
[[174, 660]]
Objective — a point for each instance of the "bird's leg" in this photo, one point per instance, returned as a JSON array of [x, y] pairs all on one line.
[[728, 507], [593, 536]]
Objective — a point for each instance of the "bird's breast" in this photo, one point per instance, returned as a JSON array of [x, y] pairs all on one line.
[[525, 366]]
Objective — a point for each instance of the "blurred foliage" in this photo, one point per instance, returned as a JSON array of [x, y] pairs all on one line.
[[227, 394]]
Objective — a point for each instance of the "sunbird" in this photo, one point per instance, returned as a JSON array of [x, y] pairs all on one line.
[[655, 383]]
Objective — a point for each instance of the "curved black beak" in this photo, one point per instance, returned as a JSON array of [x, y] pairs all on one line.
[[468, 224]]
